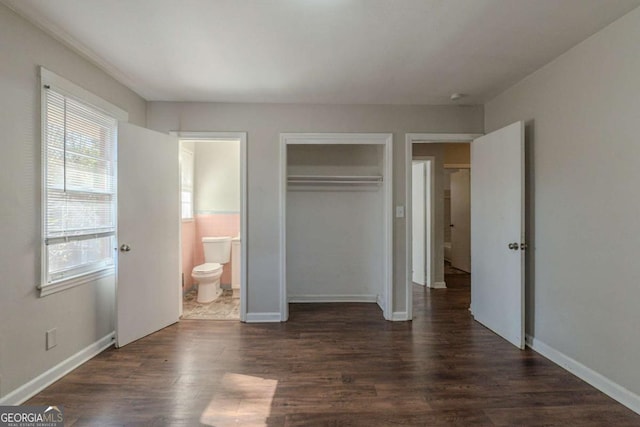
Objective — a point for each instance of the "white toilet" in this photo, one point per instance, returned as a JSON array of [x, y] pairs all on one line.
[[217, 251]]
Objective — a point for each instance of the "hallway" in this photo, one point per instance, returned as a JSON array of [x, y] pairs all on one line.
[[332, 364]]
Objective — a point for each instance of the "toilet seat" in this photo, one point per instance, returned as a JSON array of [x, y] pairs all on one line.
[[207, 268], [207, 276]]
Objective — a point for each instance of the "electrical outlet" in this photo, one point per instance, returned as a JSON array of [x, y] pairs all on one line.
[[52, 338]]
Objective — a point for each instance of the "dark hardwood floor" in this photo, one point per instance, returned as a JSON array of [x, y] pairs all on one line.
[[334, 365]]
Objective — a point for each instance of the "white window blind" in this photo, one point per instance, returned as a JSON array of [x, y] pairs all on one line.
[[186, 182], [80, 187]]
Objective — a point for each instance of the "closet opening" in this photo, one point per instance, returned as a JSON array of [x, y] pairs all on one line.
[[336, 218]]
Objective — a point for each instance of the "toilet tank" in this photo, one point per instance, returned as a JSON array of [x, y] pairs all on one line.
[[217, 249]]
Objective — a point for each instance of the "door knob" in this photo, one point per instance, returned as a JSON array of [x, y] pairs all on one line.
[[125, 248], [513, 246]]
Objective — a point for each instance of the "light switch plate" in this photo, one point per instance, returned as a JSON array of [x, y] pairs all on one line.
[[399, 211]]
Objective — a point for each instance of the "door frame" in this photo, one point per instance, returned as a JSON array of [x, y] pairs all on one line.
[[384, 139], [242, 137], [428, 214], [410, 139]]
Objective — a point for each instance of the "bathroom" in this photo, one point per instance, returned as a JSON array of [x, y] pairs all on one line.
[[210, 175]]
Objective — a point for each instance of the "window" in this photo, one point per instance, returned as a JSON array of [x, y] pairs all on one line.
[[79, 191], [186, 182]]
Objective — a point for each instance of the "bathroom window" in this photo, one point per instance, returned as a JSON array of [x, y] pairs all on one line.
[[186, 183], [79, 189]]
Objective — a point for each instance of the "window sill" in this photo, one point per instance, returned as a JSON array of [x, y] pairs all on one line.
[[188, 219], [72, 282]]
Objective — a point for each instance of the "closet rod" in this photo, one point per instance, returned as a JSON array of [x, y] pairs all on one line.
[[334, 179]]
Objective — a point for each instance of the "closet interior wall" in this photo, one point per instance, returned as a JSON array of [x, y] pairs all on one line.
[[335, 223]]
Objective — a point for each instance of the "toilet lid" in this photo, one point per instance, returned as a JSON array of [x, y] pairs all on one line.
[[207, 267]]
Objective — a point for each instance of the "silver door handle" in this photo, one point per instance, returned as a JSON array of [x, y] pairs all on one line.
[[513, 246], [125, 248]]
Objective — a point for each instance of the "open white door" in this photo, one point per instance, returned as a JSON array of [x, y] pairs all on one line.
[[148, 281], [460, 220], [418, 222], [497, 232]]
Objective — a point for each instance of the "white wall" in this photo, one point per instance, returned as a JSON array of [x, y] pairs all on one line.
[[582, 112], [264, 123], [217, 177], [83, 314], [335, 244]]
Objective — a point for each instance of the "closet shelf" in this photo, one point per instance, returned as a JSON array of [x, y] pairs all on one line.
[[334, 179]]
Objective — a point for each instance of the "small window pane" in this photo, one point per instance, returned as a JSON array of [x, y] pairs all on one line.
[[71, 258], [186, 183]]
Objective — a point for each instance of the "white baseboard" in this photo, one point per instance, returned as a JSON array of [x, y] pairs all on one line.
[[399, 316], [263, 317], [42, 381], [332, 298], [602, 383], [380, 302], [438, 285]]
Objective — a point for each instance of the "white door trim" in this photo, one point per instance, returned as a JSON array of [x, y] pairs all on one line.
[[419, 234], [410, 139], [385, 139], [242, 137]]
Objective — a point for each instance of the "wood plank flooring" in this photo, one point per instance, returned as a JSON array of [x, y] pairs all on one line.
[[333, 365]]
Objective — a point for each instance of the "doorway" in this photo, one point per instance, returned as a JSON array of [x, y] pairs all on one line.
[[213, 225], [420, 147], [497, 226], [440, 212]]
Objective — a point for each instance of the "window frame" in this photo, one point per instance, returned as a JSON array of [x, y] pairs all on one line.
[[52, 81]]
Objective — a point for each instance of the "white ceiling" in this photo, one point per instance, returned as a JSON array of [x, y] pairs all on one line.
[[321, 51]]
